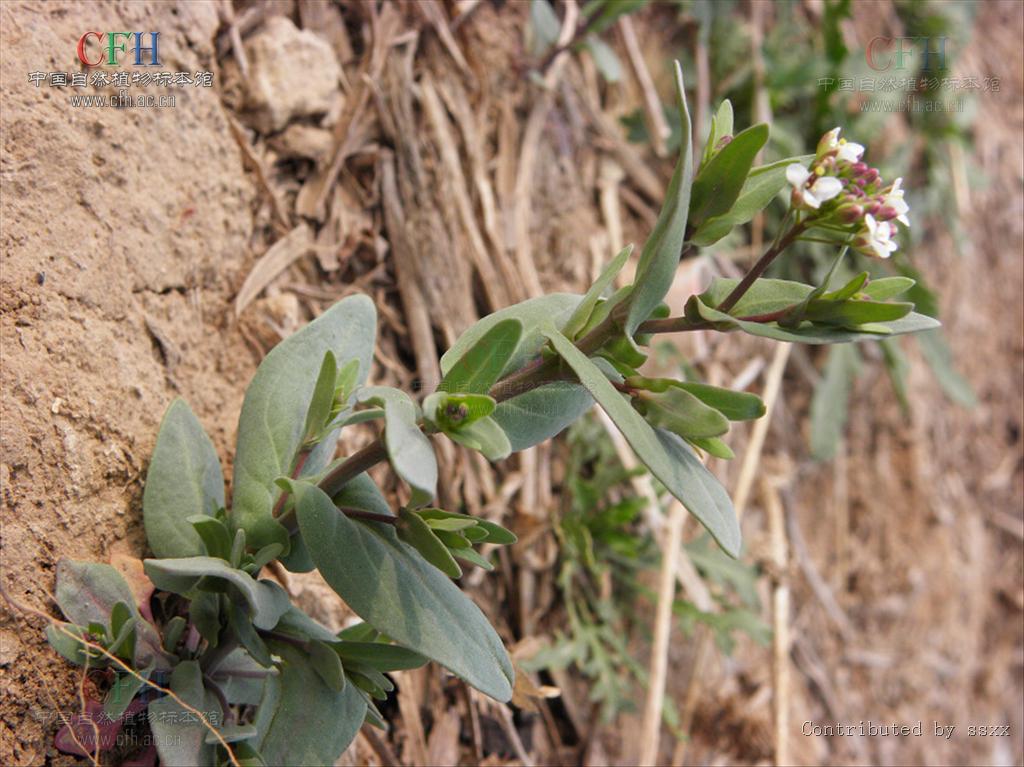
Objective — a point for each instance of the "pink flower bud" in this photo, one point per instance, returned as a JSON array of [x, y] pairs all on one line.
[[859, 168], [849, 213], [871, 175], [874, 207], [885, 213]]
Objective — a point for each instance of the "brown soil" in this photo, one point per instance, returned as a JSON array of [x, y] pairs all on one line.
[[127, 234]]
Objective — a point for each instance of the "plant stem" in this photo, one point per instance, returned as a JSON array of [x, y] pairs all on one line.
[[299, 463], [353, 466], [212, 686], [302, 644], [369, 516], [212, 658], [759, 268]]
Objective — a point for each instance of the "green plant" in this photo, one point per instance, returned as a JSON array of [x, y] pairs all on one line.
[[252, 679], [604, 554]]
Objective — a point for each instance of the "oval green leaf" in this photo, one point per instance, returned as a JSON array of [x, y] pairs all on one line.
[[271, 425], [184, 480], [390, 586]]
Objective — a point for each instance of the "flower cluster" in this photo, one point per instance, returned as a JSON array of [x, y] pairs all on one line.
[[842, 190]]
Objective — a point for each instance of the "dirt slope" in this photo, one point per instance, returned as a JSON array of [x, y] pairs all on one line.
[[124, 235]]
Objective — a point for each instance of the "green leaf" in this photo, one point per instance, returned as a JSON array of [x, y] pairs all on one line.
[[242, 678], [544, 26], [762, 185], [87, 593], [362, 493], [453, 412], [204, 612], [362, 416], [214, 535], [734, 405], [660, 256], [184, 479], [849, 290], [378, 655], [662, 452], [939, 357], [476, 371], [451, 525], [231, 733], [247, 756], [532, 314], [765, 296], [179, 736], [417, 533], [852, 313], [409, 450], [713, 446], [347, 382], [248, 637], [495, 532], [271, 425], [174, 630], [608, 12], [327, 664], [798, 313], [119, 616], [311, 723], [719, 182], [238, 549], [581, 315], [680, 412], [296, 623], [473, 557], [887, 287], [816, 334], [123, 645], [264, 556], [322, 401], [897, 366], [831, 403], [388, 584], [721, 126], [605, 59], [265, 598], [542, 413], [122, 692], [485, 435], [70, 648], [370, 680]]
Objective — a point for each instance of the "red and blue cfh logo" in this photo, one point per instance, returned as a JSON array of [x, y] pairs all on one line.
[[117, 44]]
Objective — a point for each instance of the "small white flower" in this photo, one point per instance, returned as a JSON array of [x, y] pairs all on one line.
[[880, 237], [826, 187], [821, 189], [797, 175], [849, 151], [894, 199]]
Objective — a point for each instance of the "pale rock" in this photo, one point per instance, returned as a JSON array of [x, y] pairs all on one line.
[[292, 73], [300, 140]]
